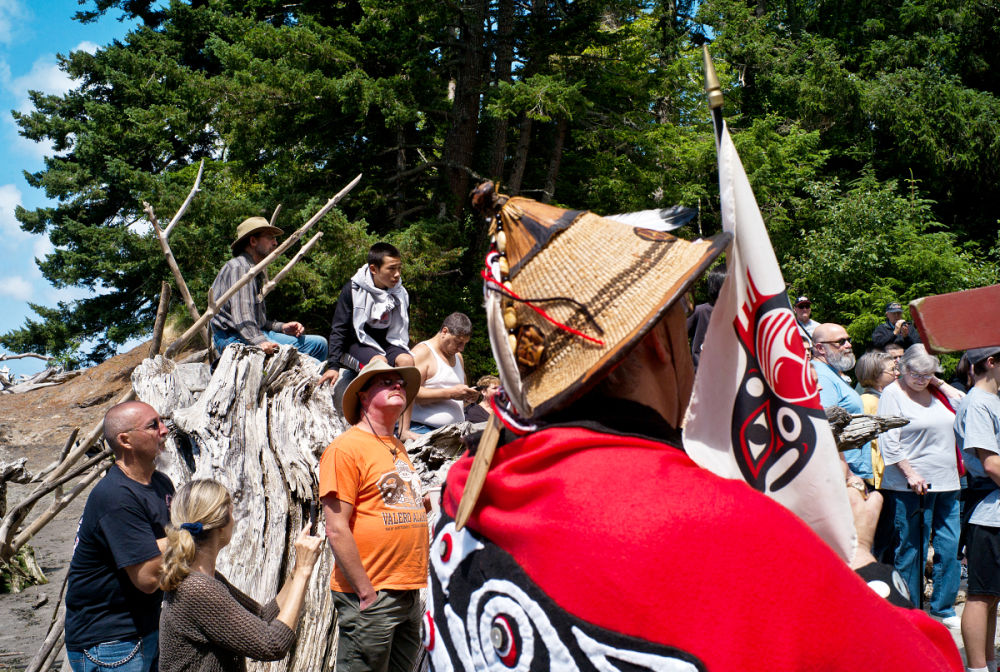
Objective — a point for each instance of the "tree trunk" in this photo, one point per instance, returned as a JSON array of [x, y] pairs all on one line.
[[554, 160], [460, 141], [504, 60], [520, 156]]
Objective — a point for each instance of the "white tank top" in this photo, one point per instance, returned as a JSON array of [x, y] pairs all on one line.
[[443, 411]]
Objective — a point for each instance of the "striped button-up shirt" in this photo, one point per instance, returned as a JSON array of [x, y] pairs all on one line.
[[243, 314]]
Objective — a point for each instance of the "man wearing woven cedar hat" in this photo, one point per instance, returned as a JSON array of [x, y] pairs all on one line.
[[580, 536], [243, 319]]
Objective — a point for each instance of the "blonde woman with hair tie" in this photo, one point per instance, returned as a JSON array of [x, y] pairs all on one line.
[[207, 624]]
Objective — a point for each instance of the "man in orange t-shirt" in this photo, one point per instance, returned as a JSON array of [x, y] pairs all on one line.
[[376, 524]]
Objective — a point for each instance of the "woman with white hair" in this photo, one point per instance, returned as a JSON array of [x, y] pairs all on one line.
[[922, 473], [206, 624]]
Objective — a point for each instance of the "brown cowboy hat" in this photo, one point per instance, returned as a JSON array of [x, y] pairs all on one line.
[[601, 283], [249, 227], [351, 405]]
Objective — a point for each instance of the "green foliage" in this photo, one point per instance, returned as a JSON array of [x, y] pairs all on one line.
[[873, 244], [589, 104]]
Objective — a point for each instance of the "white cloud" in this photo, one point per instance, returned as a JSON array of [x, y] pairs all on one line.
[[10, 230], [44, 76], [16, 287], [41, 247], [12, 13], [88, 46]]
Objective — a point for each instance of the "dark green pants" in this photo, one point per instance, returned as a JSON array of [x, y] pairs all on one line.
[[384, 637]]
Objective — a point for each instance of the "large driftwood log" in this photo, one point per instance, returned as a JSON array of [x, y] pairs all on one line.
[[258, 427]]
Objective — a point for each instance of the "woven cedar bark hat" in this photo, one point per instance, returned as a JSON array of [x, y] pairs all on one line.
[[247, 228], [569, 293]]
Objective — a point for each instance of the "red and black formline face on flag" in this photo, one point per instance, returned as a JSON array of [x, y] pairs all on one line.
[[777, 399]]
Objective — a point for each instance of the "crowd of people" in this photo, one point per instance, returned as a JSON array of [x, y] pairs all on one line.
[[590, 441], [138, 537], [931, 472]]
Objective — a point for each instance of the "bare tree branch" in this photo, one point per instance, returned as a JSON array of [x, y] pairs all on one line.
[[174, 268], [186, 203], [57, 505], [270, 284], [45, 358], [161, 319], [274, 215]]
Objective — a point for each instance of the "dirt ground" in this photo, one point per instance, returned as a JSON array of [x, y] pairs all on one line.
[[36, 425]]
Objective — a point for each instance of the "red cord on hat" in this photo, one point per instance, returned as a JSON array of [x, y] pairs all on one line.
[[506, 290]]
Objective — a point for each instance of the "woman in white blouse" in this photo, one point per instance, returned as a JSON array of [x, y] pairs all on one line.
[[921, 471]]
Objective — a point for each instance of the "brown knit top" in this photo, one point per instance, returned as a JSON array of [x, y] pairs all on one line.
[[206, 625]]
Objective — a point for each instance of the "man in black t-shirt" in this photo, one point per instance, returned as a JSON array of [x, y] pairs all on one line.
[[113, 597]]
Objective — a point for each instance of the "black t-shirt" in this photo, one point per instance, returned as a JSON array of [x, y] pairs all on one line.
[[120, 525]]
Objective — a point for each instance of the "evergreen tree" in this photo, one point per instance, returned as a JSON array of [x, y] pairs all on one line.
[[589, 104]]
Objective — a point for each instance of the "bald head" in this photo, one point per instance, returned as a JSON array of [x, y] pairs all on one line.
[[122, 418], [828, 331], [832, 345]]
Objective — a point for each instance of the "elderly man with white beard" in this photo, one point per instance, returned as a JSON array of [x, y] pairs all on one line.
[[832, 355]]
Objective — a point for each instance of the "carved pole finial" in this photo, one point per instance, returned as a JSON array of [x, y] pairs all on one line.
[[712, 86]]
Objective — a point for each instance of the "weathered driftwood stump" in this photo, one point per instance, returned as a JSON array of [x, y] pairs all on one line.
[[259, 428], [259, 425]]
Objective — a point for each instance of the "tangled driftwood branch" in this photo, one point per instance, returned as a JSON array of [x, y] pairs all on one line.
[[855, 430], [5, 356], [175, 269], [303, 251]]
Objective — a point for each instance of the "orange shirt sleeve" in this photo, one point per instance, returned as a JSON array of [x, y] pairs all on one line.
[[339, 474]]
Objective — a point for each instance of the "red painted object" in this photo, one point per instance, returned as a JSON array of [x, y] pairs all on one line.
[[960, 320]]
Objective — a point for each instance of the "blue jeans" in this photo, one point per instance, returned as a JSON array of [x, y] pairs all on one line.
[[312, 345], [127, 655], [941, 515], [420, 428]]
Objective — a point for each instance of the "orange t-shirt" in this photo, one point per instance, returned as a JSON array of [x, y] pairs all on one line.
[[389, 523]]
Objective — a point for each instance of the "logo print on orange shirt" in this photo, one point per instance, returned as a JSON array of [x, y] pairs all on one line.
[[398, 488]]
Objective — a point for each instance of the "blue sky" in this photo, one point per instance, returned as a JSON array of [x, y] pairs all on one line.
[[32, 33]]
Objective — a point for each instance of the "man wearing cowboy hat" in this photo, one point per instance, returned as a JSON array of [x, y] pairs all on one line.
[[594, 541], [376, 524], [243, 318]]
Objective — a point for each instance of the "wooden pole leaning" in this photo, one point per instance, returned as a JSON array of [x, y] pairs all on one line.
[[303, 251], [239, 284], [174, 269]]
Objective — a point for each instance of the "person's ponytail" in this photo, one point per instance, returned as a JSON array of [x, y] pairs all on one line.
[[176, 558], [197, 508]]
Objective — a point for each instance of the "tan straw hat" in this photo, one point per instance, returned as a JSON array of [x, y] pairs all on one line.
[[568, 293], [351, 405], [250, 226]]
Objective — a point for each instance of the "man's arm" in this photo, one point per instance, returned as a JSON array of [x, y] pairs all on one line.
[[340, 328], [424, 360], [345, 549], [146, 575], [991, 464], [882, 336]]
